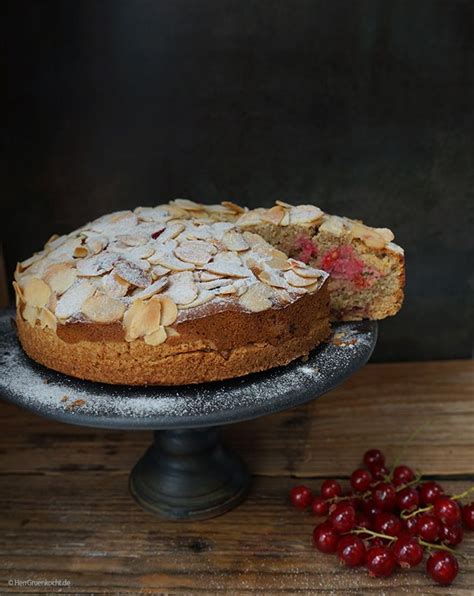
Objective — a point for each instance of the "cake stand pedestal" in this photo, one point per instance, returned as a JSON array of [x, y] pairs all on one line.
[[188, 472]]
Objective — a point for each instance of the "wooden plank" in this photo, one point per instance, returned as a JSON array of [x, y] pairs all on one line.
[[83, 527], [379, 406]]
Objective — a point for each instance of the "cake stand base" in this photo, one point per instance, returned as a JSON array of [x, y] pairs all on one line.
[[189, 475]]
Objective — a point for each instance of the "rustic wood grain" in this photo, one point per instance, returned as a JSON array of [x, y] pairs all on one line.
[[66, 512]]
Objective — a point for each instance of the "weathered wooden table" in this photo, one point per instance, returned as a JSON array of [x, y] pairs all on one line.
[[66, 515]]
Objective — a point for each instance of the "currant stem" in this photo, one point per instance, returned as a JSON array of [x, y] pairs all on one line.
[[431, 546], [408, 442], [405, 514], [464, 494], [411, 483], [373, 534]]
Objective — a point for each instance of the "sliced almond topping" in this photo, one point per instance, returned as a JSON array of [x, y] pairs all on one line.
[[233, 240], [132, 273], [286, 219], [71, 301], [28, 262], [19, 298], [283, 204], [251, 218], [256, 298], [30, 314], [60, 277], [95, 244], [132, 239], [114, 285], [226, 290], [296, 280], [101, 308], [96, 265], [253, 239], [152, 289], [159, 271], [197, 252], [233, 207], [164, 257], [51, 239], [187, 205], [372, 237], [171, 332], [142, 318], [207, 276], [228, 265], [36, 292], [305, 214], [182, 288], [333, 225], [216, 283], [80, 251], [169, 311], [274, 215], [271, 278], [203, 297], [47, 319], [157, 337], [309, 272]]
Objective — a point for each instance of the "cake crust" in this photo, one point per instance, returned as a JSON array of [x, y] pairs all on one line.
[[224, 345]]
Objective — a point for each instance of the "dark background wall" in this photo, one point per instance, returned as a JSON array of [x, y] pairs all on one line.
[[363, 108]]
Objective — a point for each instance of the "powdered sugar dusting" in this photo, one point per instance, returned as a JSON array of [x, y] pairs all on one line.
[[95, 404]]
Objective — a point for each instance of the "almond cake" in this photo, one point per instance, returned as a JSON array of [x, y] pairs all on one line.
[[189, 293]]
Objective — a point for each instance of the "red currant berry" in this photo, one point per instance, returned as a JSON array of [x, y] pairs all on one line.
[[410, 525], [408, 551], [325, 538], [331, 489], [377, 541], [343, 518], [387, 523], [429, 491], [379, 471], [320, 507], [427, 527], [363, 521], [407, 499], [370, 508], [468, 516], [402, 475], [447, 511], [351, 551], [361, 480], [381, 561], [451, 535], [355, 501], [443, 567], [384, 496], [301, 497], [374, 456]]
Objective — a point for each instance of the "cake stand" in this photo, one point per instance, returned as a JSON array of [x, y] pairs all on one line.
[[187, 473]]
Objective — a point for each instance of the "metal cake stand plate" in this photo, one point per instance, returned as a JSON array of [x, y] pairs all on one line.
[[187, 473]]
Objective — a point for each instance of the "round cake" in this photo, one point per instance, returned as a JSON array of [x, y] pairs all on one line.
[[170, 295]]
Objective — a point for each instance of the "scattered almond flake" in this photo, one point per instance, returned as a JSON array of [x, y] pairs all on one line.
[[296, 280], [372, 237], [164, 257], [96, 265], [215, 283], [80, 252], [252, 239], [234, 240], [309, 272], [133, 253], [182, 288], [54, 241], [250, 218], [233, 207], [64, 251], [333, 224], [156, 338], [207, 276], [272, 278], [152, 289], [305, 214], [95, 244], [101, 308], [226, 290], [256, 298], [36, 292], [187, 205], [71, 301], [274, 215], [170, 232], [132, 273], [197, 252], [198, 231], [114, 285], [18, 294], [220, 228], [283, 204], [60, 277], [221, 268]]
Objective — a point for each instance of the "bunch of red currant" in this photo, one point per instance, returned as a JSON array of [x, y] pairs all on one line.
[[388, 519]]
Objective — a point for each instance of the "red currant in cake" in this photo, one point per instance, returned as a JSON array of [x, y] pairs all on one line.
[[443, 567], [301, 497]]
